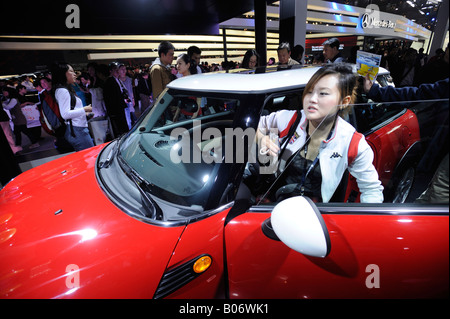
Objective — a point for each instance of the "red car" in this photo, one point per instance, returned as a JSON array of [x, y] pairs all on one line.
[[159, 212]]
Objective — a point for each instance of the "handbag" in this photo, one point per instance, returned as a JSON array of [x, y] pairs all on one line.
[[100, 129]]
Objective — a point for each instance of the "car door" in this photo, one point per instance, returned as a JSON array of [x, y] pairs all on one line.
[[377, 251], [383, 250]]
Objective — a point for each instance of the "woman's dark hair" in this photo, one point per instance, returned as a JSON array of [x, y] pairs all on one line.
[[59, 78], [247, 56], [187, 59]]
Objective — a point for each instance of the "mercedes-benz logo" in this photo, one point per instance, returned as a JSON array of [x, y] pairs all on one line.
[[365, 21]]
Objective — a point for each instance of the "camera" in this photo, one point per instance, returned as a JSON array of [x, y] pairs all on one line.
[[125, 96]]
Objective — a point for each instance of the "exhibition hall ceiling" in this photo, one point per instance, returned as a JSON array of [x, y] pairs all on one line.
[[47, 17], [120, 16]]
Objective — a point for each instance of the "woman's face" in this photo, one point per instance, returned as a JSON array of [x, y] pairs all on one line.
[[252, 62], [182, 66], [322, 100], [71, 75]]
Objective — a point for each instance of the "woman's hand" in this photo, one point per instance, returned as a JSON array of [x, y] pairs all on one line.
[[268, 146], [367, 83], [88, 108]]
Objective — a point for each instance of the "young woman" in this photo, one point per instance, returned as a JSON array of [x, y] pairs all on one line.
[[71, 107], [250, 60], [316, 152], [186, 67]]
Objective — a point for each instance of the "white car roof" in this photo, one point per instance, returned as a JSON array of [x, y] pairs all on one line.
[[248, 83], [243, 82]]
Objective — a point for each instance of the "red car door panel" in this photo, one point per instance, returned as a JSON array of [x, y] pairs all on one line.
[[372, 256]]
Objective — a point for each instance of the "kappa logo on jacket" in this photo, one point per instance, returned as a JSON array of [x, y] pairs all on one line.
[[335, 155]]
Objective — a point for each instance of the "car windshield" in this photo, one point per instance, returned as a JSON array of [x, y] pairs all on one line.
[[171, 150]]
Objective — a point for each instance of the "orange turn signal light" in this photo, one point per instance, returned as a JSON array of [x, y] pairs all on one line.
[[202, 264]]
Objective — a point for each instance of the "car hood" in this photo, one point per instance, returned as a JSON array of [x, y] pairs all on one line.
[[61, 237]]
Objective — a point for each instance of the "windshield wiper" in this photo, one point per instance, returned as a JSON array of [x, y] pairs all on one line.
[[150, 205], [112, 154]]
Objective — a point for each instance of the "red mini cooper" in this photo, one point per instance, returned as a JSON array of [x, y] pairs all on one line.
[[161, 213]]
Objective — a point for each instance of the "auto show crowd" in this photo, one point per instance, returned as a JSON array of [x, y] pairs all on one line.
[[114, 95]]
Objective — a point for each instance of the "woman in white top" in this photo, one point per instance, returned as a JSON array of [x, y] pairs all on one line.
[[323, 145], [71, 107]]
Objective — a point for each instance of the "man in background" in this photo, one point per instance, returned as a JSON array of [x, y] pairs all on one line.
[[160, 73], [284, 55], [331, 51], [195, 54]]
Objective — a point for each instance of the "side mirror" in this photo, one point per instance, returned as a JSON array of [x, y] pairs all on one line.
[[299, 225]]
